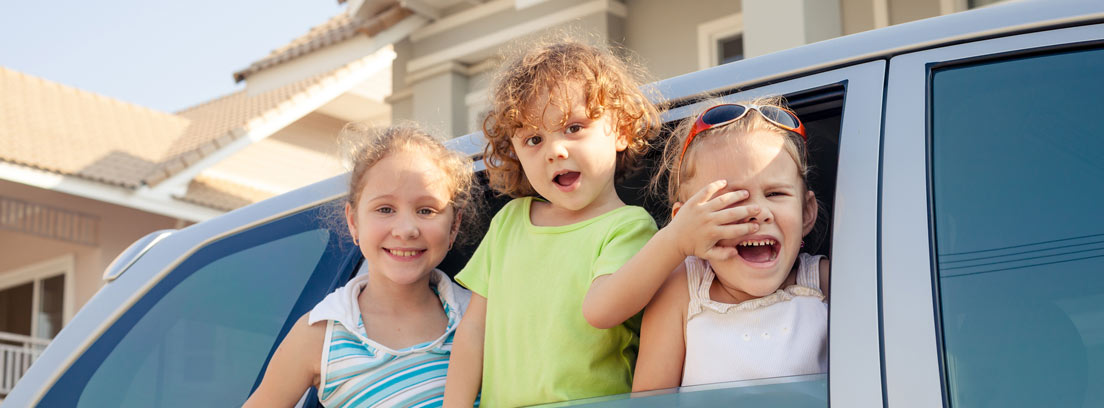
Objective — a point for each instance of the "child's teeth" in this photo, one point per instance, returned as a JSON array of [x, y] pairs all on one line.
[[758, 243]]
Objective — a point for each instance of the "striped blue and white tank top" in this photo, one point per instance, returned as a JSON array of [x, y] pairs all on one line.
[[358, 372]]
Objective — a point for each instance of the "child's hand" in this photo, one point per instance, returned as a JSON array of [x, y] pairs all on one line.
[[703, 221]]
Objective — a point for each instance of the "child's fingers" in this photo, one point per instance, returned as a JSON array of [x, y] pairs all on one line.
[[707, 192], [733, 231], [718, 253], [727, 199], [738, 213]]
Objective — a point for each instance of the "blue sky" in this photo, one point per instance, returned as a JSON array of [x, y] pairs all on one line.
[[165, 55]]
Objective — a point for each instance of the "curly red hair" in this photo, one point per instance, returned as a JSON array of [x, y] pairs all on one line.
[[610, 85]]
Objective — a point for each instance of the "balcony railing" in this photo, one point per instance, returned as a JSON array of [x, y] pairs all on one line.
[[17, 352]]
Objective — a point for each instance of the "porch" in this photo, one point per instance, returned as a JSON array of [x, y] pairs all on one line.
[[17, 352]]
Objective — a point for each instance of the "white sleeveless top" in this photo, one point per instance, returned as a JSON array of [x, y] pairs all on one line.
[[781, 334]]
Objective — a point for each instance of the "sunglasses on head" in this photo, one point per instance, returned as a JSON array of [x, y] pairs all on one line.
[[730, 112]]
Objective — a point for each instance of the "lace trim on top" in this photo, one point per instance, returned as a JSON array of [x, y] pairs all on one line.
[[700, 277]]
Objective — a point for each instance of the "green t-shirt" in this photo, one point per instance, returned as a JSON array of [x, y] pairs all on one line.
[[538, 348]]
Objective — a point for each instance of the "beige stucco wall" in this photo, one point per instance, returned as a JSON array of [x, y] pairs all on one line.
[[665, 33], [903, 11], [302, 153], [118, 228], [662, 34], [857, 15]]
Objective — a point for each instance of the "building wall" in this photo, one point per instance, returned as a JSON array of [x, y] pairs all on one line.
[[440, 74], [118, 228], [302, 153], [665, 34], [903, 11]]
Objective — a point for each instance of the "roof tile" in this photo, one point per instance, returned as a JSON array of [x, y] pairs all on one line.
[[338, 29]]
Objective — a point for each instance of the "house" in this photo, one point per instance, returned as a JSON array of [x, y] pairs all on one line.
[[82, 176]]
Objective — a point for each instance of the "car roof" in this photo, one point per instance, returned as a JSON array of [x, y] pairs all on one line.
[[971, 25]]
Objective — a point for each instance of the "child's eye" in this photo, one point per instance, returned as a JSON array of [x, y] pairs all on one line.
[[532, 140], [776, 194], [385, 210], [573, 128], [426, 211]]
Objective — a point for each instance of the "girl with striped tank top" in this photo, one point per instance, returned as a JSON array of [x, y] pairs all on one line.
[[743, 301], [384, 339]]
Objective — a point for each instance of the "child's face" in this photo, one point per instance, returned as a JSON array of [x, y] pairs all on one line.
[[572, 164], [757, 162], [403, 222]]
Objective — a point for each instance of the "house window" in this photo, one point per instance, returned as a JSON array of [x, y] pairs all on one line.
[[730, 49], [720, 41], [34, 301], [980, 3]]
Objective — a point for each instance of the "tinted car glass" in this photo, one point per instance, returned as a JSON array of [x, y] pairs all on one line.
[[202, 335], [1017, 185], [799, 391]]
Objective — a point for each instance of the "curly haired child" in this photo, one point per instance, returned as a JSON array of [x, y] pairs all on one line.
[[566, 121]]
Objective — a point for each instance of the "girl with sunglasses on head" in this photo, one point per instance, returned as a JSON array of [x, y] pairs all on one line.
[[743, 301]]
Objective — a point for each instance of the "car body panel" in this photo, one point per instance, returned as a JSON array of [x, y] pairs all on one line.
[[913, 366], [883, 264]]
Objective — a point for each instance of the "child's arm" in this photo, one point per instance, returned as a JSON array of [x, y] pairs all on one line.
[[465, 371], [695, 230], [293, 367], [662, 337]]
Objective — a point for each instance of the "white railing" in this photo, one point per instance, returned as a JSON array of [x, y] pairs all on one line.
[[16, 359]]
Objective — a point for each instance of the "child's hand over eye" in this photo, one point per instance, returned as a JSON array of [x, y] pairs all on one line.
[[703, 221]]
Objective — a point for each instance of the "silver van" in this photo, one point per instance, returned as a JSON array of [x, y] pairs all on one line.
[[962, 166]]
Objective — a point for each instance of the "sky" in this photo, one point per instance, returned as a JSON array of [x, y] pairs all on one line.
[[163, 54]]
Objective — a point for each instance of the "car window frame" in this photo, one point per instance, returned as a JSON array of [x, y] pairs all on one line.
[[914, 365], [854, 341], [115, 298]]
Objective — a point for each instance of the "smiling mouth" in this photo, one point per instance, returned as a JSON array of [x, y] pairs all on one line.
[[404, 252], [566, 179], [758, 250]]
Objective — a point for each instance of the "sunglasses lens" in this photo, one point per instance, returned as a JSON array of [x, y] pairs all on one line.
[[722, 113], [779, 116]]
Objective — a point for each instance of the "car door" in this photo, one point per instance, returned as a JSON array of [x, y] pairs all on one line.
[[992, 232], [194, 320], [841, 109]]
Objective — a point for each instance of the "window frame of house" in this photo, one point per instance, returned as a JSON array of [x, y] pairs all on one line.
[[37, 273], [710, 34]]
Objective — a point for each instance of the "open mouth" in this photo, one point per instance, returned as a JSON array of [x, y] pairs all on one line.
[[758, 250], [566, 179], [404, 253]]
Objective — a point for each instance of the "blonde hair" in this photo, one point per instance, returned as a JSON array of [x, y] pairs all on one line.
[[670, 172], [609, 84], [366, 145]]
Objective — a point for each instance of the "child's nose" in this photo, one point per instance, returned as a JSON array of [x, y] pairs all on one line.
[[763, 216], [557, 150], [405, 229]]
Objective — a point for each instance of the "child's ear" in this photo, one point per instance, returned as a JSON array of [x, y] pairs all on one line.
[[810, 213], [455, 230], [622, 138], [350, 220], [674, 209], [622, 143]]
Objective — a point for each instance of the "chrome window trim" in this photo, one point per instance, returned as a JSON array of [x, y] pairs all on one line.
[[854, 348], [913, 367], [116, 297]]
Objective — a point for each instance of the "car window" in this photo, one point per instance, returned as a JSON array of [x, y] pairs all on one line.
[[201, 336], [793, 392], [1017, 173]]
